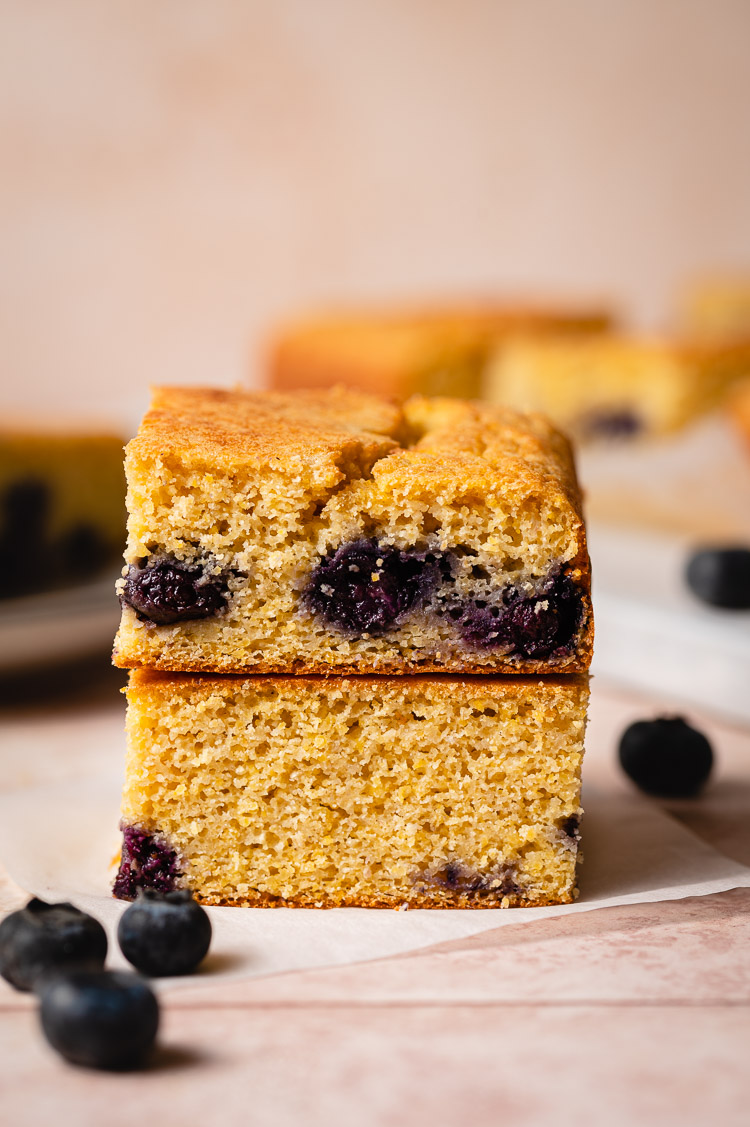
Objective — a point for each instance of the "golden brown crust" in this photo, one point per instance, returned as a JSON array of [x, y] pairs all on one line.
[[471, 444], [577, 662], [444, 684], [446, 900], [214, 427]]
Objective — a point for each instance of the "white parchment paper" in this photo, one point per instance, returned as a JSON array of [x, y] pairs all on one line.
[[55, 842]]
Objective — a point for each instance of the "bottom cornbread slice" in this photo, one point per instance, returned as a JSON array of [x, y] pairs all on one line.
[[431, 792]]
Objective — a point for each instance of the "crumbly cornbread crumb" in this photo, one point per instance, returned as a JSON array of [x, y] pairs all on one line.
[[378, 792], [336, 532]]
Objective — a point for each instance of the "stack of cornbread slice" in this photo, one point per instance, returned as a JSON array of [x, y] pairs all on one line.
[[360, 636]]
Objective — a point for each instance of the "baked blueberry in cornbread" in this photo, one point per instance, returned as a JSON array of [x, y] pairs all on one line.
[[62, 504], [333, 531], [428, 791], [612, 387], [401, 352]]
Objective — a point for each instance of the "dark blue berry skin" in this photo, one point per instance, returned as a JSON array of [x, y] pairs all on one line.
[[611, 424], [104, 1019], [343, 592], [33, 556], [721, 577], [145, 862], [666, 757], [42, 939], [540, 625], [166, 591], [25, 507], [164, 934]]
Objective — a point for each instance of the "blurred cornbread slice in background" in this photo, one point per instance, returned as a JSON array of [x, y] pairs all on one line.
[[433, 792], [739, 409], [717, 309], [438, 351], [62, 502], [607, 386]]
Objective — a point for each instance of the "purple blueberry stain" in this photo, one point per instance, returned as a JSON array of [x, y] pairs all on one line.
[[615, 423], [164, 590], [464, 881], [366, 587], [571, 827], [542, 624], [146, 861]]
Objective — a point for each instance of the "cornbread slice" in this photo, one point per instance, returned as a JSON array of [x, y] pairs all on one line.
[[62, 502], [615, 387], [376, 792], [334, 532], [738, 406], [439, 351], [718, 309]]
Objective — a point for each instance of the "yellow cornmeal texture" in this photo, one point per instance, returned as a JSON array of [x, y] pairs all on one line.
[[266, 485], [661, 384], [377, 792], [439, 351]]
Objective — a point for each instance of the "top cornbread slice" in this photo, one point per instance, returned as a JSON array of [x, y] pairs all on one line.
[[332, 531]]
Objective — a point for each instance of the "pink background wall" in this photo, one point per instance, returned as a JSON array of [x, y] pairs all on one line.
[[178, 174]]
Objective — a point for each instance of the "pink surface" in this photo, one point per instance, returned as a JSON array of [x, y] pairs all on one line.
[[176, 177], [632, 1014]]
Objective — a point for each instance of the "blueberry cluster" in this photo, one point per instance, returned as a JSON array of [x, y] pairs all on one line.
[[164, 590], [455, 877], [146, 862], [538, 625], [92, 1016], [367, 588]]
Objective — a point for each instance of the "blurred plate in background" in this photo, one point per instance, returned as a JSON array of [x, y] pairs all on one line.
[[653, 635], [58, 626]]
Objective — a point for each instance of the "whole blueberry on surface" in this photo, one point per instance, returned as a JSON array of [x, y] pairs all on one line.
[[100, 1019], [666, 757], [43, 938], [721, 577], [164, 933]]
